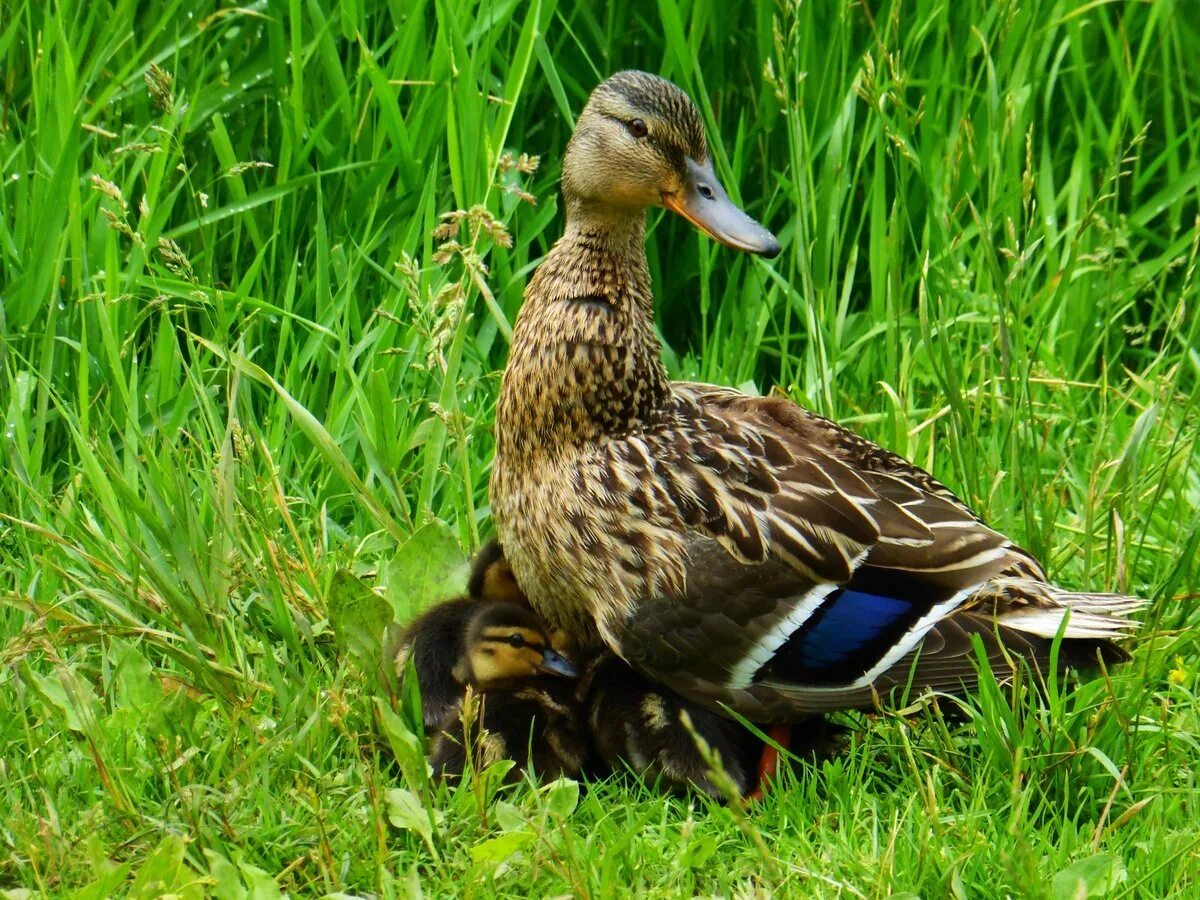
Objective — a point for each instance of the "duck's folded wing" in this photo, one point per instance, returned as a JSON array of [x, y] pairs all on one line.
[[770, 643], [768, 480], [821, 569], [769, 640]]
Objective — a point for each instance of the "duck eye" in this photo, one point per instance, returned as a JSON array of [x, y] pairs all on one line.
[[515, 640], [637, 128]]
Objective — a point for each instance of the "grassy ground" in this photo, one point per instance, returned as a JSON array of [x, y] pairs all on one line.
[[235, 358]]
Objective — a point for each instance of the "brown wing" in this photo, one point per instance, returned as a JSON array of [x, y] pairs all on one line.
[[817, 561]]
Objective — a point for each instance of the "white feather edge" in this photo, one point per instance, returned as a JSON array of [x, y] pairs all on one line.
[[1091, 616], [1046, 623], [741, 674], [897, 651]]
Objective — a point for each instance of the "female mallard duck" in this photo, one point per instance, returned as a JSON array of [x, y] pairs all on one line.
[[526, 707], [738, 549]]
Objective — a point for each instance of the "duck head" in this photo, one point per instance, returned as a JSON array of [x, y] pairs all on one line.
[[506, 643], [639, 143]]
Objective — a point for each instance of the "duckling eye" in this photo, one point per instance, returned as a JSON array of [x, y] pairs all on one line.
[[637, 128], [515, 640]]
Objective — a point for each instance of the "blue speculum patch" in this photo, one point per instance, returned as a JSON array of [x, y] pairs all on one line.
[[850, 620]]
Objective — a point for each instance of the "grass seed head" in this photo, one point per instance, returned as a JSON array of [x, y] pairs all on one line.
[[159, 82]]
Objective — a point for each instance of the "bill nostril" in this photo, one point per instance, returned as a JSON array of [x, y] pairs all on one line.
[[705, 191]]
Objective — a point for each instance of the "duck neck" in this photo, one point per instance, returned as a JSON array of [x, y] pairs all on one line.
[[585, 361], [602, 255]]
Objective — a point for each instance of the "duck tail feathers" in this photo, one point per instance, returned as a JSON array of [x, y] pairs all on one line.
[[1088, 616]]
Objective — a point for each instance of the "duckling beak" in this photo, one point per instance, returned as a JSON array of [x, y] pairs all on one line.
[[704, 203], [554, 663]]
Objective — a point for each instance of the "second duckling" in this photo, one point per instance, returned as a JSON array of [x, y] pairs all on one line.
[[638, 724]]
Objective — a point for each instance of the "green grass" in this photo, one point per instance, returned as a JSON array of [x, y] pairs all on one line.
[[234, 360]]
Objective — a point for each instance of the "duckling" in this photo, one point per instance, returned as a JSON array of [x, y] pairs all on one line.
[[435, 639], [492, 577], [638, 725], [526, 708], [499, 649], [741, 551]]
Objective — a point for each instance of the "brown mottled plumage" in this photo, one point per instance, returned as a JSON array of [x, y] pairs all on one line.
[[737, 549]]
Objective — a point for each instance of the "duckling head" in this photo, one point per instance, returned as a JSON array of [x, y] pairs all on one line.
[[640, 142], [492, 577], [506, 643]]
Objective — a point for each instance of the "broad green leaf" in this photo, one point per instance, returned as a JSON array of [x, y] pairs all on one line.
[[509, 817], [262, 886], [226, 883], [700, 848], [237, 879], [1092, 876], [500, 849], [428, 568], [135, 684], [67, 693], [166, 872], [562, 796], [412, 884], [406, 747], [108, 881], [406, 811], [359, 618]]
